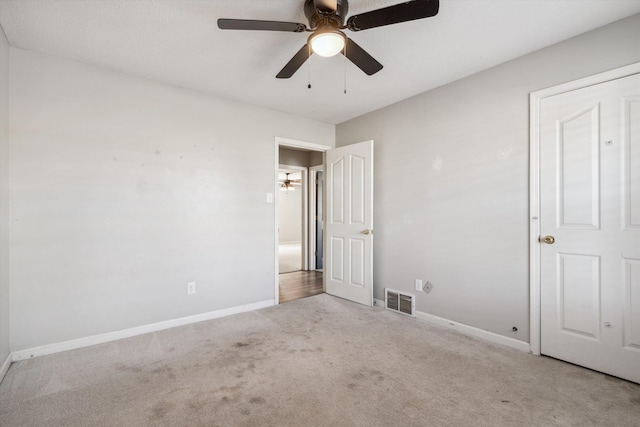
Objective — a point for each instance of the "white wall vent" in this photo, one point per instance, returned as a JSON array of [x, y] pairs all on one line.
[[399, 301]]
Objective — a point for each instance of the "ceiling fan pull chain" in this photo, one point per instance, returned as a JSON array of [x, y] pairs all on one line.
[[345, 68], [309, 67]]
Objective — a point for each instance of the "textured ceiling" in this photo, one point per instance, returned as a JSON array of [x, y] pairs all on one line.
[[178, 42]]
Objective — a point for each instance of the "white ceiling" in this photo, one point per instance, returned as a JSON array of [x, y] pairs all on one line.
[[178, 42]]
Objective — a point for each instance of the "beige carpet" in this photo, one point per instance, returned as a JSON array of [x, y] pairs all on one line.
[[318, 361], [289, 257]]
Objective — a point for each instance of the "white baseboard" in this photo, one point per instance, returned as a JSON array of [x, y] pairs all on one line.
[[474, 332], [131, 332], [467, 330], [5, 366]]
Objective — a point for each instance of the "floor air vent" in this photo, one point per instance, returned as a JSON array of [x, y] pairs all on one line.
[[399, 301]]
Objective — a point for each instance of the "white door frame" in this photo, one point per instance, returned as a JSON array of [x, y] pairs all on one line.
[[285, 142], [313, 175], [304, 175], [534, 186]]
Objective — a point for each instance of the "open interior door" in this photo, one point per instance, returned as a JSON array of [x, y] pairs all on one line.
[[590, 224], [348, 245]]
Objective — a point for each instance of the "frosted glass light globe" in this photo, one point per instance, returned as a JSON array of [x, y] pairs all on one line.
[[327, 43]]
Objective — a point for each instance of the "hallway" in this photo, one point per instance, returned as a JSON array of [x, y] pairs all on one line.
[[300, 284]]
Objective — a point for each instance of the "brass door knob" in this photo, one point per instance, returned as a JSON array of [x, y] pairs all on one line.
[[549, 240], [366, 231]]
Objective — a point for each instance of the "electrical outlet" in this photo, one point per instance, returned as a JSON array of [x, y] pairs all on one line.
[[427, 287], [191, 288], [418, 284]]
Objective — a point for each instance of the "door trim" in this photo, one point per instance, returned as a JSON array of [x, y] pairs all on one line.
[[313, 175], [284, 142], [534, 187], [304, 173]]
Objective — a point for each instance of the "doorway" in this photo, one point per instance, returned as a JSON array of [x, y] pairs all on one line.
[[299, 213], [291, 225]]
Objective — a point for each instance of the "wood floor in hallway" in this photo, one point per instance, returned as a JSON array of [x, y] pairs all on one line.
[[300, 284]]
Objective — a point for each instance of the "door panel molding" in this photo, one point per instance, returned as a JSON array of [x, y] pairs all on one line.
[[578, 165], [337, 253], [576, 272], [630, 166], [535, 99], [631, 267]]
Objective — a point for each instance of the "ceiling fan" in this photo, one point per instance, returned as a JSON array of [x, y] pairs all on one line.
[[326, 22], [288, 184]]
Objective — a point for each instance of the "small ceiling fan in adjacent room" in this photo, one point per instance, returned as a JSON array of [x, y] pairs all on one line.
[[288, 184], [326, 22]]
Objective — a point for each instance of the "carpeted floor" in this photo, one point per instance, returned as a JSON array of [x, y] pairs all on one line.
[[318, 361], [289, 257]]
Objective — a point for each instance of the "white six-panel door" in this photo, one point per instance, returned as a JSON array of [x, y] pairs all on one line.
[[590, 206], [348, 261]]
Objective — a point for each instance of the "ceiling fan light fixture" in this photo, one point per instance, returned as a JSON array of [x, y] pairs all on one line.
[[287, 186], [326, 20], [327, 43]]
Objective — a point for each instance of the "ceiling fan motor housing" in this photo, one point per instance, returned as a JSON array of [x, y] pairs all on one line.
[[319, 17]]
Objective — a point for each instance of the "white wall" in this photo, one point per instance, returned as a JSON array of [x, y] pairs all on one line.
[[123, 190], [4, 197], [291, 157], [451, 181]]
